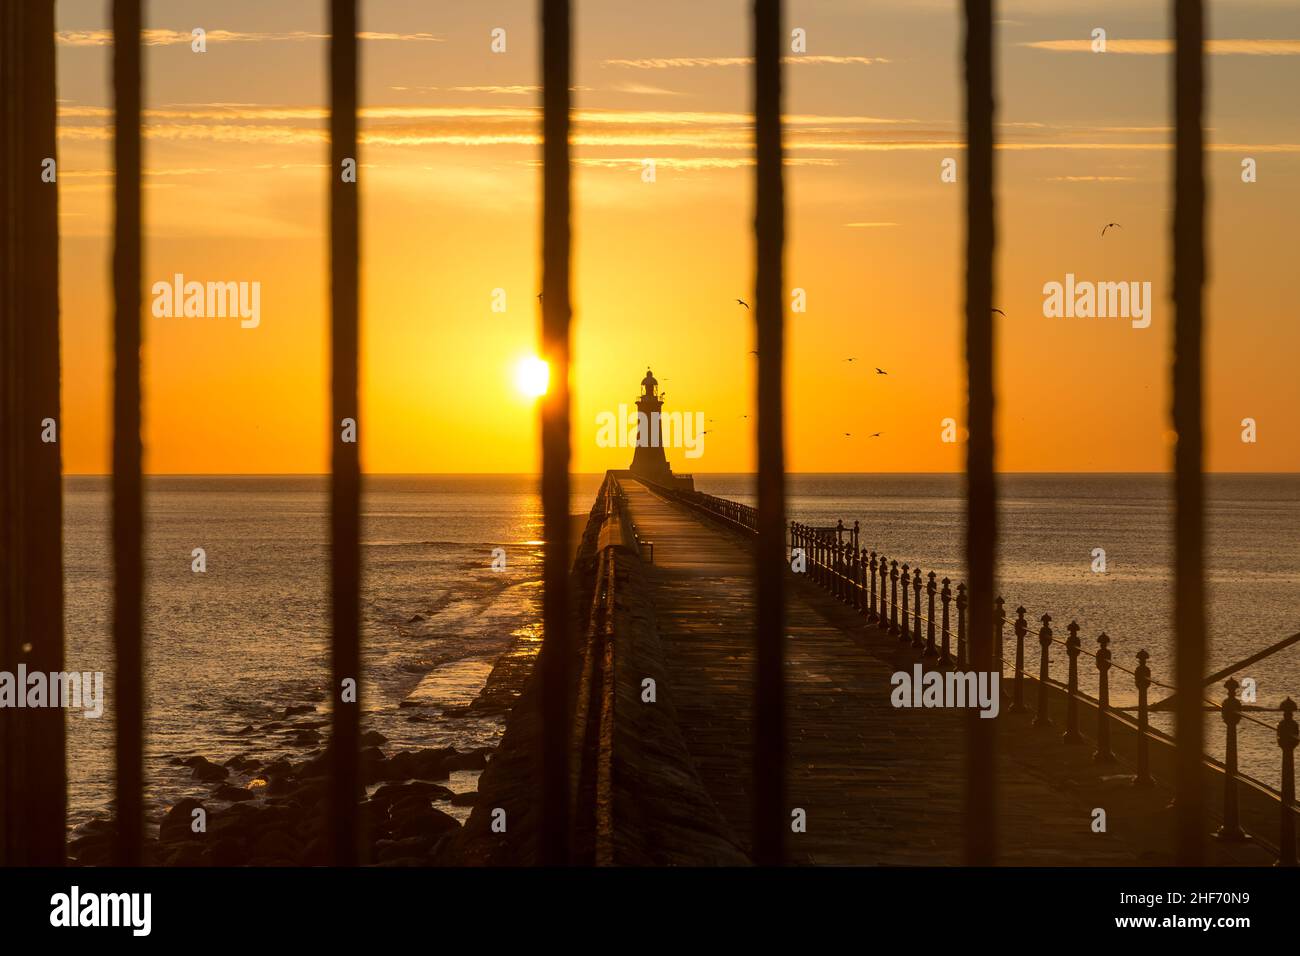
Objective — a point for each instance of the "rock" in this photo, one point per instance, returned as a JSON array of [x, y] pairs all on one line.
[[373, 738], [189, 853], [472, 760], [178, 822], [467, 799], [233, 794], [245, 731], [298, 709], [208, 772], [305, 738], [391, 793], [276, 844], [430, 823], [98, 854], [407, 807], [227, 852], [410, 848], [415, 619]]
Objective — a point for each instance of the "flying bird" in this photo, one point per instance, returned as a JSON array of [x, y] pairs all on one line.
[[851, 359], [875, 434], [1108, 225], [1000, 312], [848, 434], [743, 302], [753, 351], [881, 371]]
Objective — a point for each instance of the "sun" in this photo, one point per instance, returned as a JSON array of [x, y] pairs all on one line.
[[532, 376]]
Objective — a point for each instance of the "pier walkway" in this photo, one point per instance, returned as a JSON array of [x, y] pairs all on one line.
[[879, 784], [670, 588]]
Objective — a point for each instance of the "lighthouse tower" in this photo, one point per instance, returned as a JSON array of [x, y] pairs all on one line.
[[648, 460]]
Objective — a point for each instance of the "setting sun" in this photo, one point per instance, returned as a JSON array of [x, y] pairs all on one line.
[[532, 375]]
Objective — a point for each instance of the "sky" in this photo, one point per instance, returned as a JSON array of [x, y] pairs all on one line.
[[236, 191]]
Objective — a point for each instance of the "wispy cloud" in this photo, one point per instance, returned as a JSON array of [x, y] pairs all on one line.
[[644, 89], [693, 164], [1164, 47], [175, 37], [1091, 179], [658, 133], [673, 62]]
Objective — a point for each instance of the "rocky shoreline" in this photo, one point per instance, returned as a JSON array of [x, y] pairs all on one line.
[[271, 810], [275, 814]]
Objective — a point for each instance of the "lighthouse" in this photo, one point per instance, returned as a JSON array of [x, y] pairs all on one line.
[[648, 460]]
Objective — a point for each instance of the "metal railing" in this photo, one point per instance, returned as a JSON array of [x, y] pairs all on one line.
[[833, 558]]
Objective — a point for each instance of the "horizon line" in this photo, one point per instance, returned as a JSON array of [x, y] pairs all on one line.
[[537, 474]]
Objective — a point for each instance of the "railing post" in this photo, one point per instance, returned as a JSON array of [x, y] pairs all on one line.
[[884, 594], [893, 598], [1288, 734], [858, 587], [1072, 644], [1021, 628], [904, 635], [1104, 753], [930, 589], [837, 561], [916, 609], [1231, 711], [946, 596], [1045, 643], [963, 658], [873, 614], [1142, 679], [792, 539], [999, 624]]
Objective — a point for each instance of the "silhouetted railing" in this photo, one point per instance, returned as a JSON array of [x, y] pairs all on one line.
[[878, 587]]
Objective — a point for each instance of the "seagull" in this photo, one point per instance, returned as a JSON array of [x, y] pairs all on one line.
[[1000, 312], [743, 302], [539, 297], [851, 359], [875, 434], [1108, 225], [848, 434], [881, 371]]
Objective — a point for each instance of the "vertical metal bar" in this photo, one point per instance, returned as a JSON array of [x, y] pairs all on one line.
[[1189, 546], [128, 516], [981, 492], [554, 662], [32, 778], [345, 458], [769, 225]]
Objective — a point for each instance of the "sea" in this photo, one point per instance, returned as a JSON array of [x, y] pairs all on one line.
[[247, 639]]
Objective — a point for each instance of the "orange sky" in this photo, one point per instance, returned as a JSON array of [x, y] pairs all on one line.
[[236, 191]]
